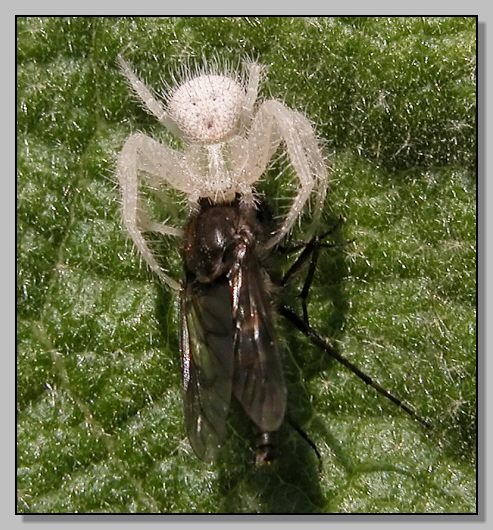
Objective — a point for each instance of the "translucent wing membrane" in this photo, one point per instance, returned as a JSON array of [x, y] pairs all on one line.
[[258, 381], [207, 364]]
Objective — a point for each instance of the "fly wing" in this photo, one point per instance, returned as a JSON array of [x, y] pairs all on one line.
[[258, 381], [207, 364]]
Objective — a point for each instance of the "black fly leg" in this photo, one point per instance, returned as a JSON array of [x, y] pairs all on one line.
[[308, 440], [311, 251], [308, 282], [315, 243], [325, 345]]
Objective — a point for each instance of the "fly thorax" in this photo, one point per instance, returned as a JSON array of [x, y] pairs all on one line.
[[208, 241]]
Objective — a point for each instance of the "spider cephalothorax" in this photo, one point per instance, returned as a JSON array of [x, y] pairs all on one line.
[[229, 141]]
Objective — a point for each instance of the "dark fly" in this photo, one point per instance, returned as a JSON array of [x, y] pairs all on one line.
[[228, 340]]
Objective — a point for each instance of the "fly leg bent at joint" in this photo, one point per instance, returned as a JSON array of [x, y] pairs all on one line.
[[310, 252]]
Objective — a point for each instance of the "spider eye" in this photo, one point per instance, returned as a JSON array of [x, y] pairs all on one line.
[[207, 108]]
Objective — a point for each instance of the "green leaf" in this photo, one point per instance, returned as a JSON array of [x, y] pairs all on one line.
[[100, 422]]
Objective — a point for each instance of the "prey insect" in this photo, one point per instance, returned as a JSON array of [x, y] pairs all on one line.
[[228, 342]]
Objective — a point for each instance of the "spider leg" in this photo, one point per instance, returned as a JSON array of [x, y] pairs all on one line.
[[162, 165], [318, 164], [254, 71], [275, 122], [150, 102]]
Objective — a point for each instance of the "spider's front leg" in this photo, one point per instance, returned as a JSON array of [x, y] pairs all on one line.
[[161, 166], [273, 123], [150, 103]]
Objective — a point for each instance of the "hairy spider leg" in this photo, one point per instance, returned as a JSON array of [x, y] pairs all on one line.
[[143, 154], [275, 123], [149, 101]]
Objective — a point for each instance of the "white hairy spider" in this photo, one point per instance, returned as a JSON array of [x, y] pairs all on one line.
[[229, 143]]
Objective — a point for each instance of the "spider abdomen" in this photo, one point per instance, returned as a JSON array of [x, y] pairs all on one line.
[[207, 108]]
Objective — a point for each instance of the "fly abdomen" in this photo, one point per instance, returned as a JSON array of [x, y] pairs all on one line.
[[265, 448]]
